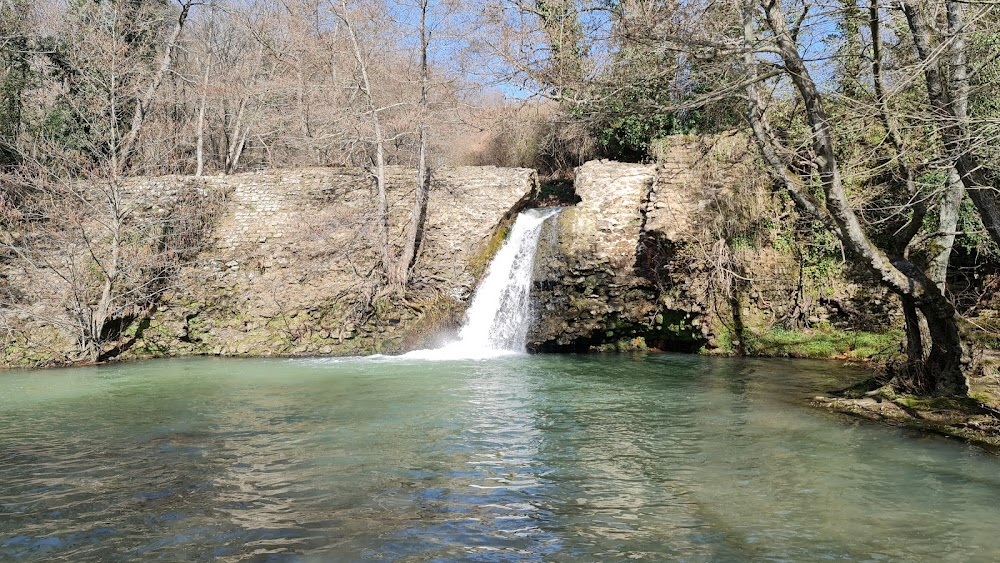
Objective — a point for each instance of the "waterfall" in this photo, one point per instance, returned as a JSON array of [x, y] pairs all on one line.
[[498, 319]]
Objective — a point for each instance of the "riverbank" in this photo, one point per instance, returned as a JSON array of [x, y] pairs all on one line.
[[965, 419], [974, 419]]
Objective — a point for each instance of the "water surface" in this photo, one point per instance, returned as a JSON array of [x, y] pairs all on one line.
[[541, 458]]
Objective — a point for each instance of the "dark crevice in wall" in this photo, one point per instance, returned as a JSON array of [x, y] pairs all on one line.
[[556, 193], [669, 331]]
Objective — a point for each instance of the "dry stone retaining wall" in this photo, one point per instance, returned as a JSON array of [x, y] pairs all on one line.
[[291, 265], [607, 222]]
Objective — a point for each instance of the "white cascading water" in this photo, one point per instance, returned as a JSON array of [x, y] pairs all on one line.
[[498, 319]]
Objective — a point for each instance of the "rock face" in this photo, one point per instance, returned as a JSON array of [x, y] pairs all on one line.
[[680, 255], [290, 265], [592, 289], [287, 262]]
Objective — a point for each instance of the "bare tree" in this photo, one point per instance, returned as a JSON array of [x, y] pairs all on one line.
[[87, 238], [419, 208], [123, 154], [945, 69], [378, 164], [205, 60], [98, 252]]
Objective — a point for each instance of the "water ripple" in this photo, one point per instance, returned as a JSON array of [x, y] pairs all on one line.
[[518, 459]]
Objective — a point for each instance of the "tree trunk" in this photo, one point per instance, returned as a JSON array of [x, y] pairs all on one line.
[[851, 232], [236, 136], [563, 28], [417, 214], [940, 371], [240, 146], [948, 96], [905, 170], [201, 123], [388, 264], [914, 338], [302, 100], [945, 360], [943, 243], [104, 308], [942, 367], [419, 209], [383, 204], [145, 102]]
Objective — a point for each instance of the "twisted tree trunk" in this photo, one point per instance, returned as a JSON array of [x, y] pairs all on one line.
[[939, 370]]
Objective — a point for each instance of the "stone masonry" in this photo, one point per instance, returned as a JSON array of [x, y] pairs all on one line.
[[291, 266], [595, 286]]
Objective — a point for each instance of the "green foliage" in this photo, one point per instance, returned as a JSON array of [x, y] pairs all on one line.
[[99, 60], [567, 50], [984, 101], [820, 254], [630, 120], [974, 239], [648, 93], [16, 75]]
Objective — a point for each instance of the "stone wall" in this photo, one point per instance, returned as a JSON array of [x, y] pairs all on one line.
[[290, 265], [592, 288], [678, 193], [605, 226], [585, 289]]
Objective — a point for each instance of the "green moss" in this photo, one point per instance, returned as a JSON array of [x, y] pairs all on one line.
[[384, 307], [822, 343], [438, 314], [983, 398], [481, 260], [42, 347], [826, 343], [635, 344], [984, 332], [967, 405], [197, 328]]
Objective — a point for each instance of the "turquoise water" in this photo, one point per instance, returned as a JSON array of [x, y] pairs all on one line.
[[542, 458]]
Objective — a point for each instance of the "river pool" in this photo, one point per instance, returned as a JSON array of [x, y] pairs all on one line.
[[530, 458]]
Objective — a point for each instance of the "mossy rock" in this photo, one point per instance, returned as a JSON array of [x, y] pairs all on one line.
[[481, 260], [819, 343]]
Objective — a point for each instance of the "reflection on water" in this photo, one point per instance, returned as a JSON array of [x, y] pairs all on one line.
[[520, 459]]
